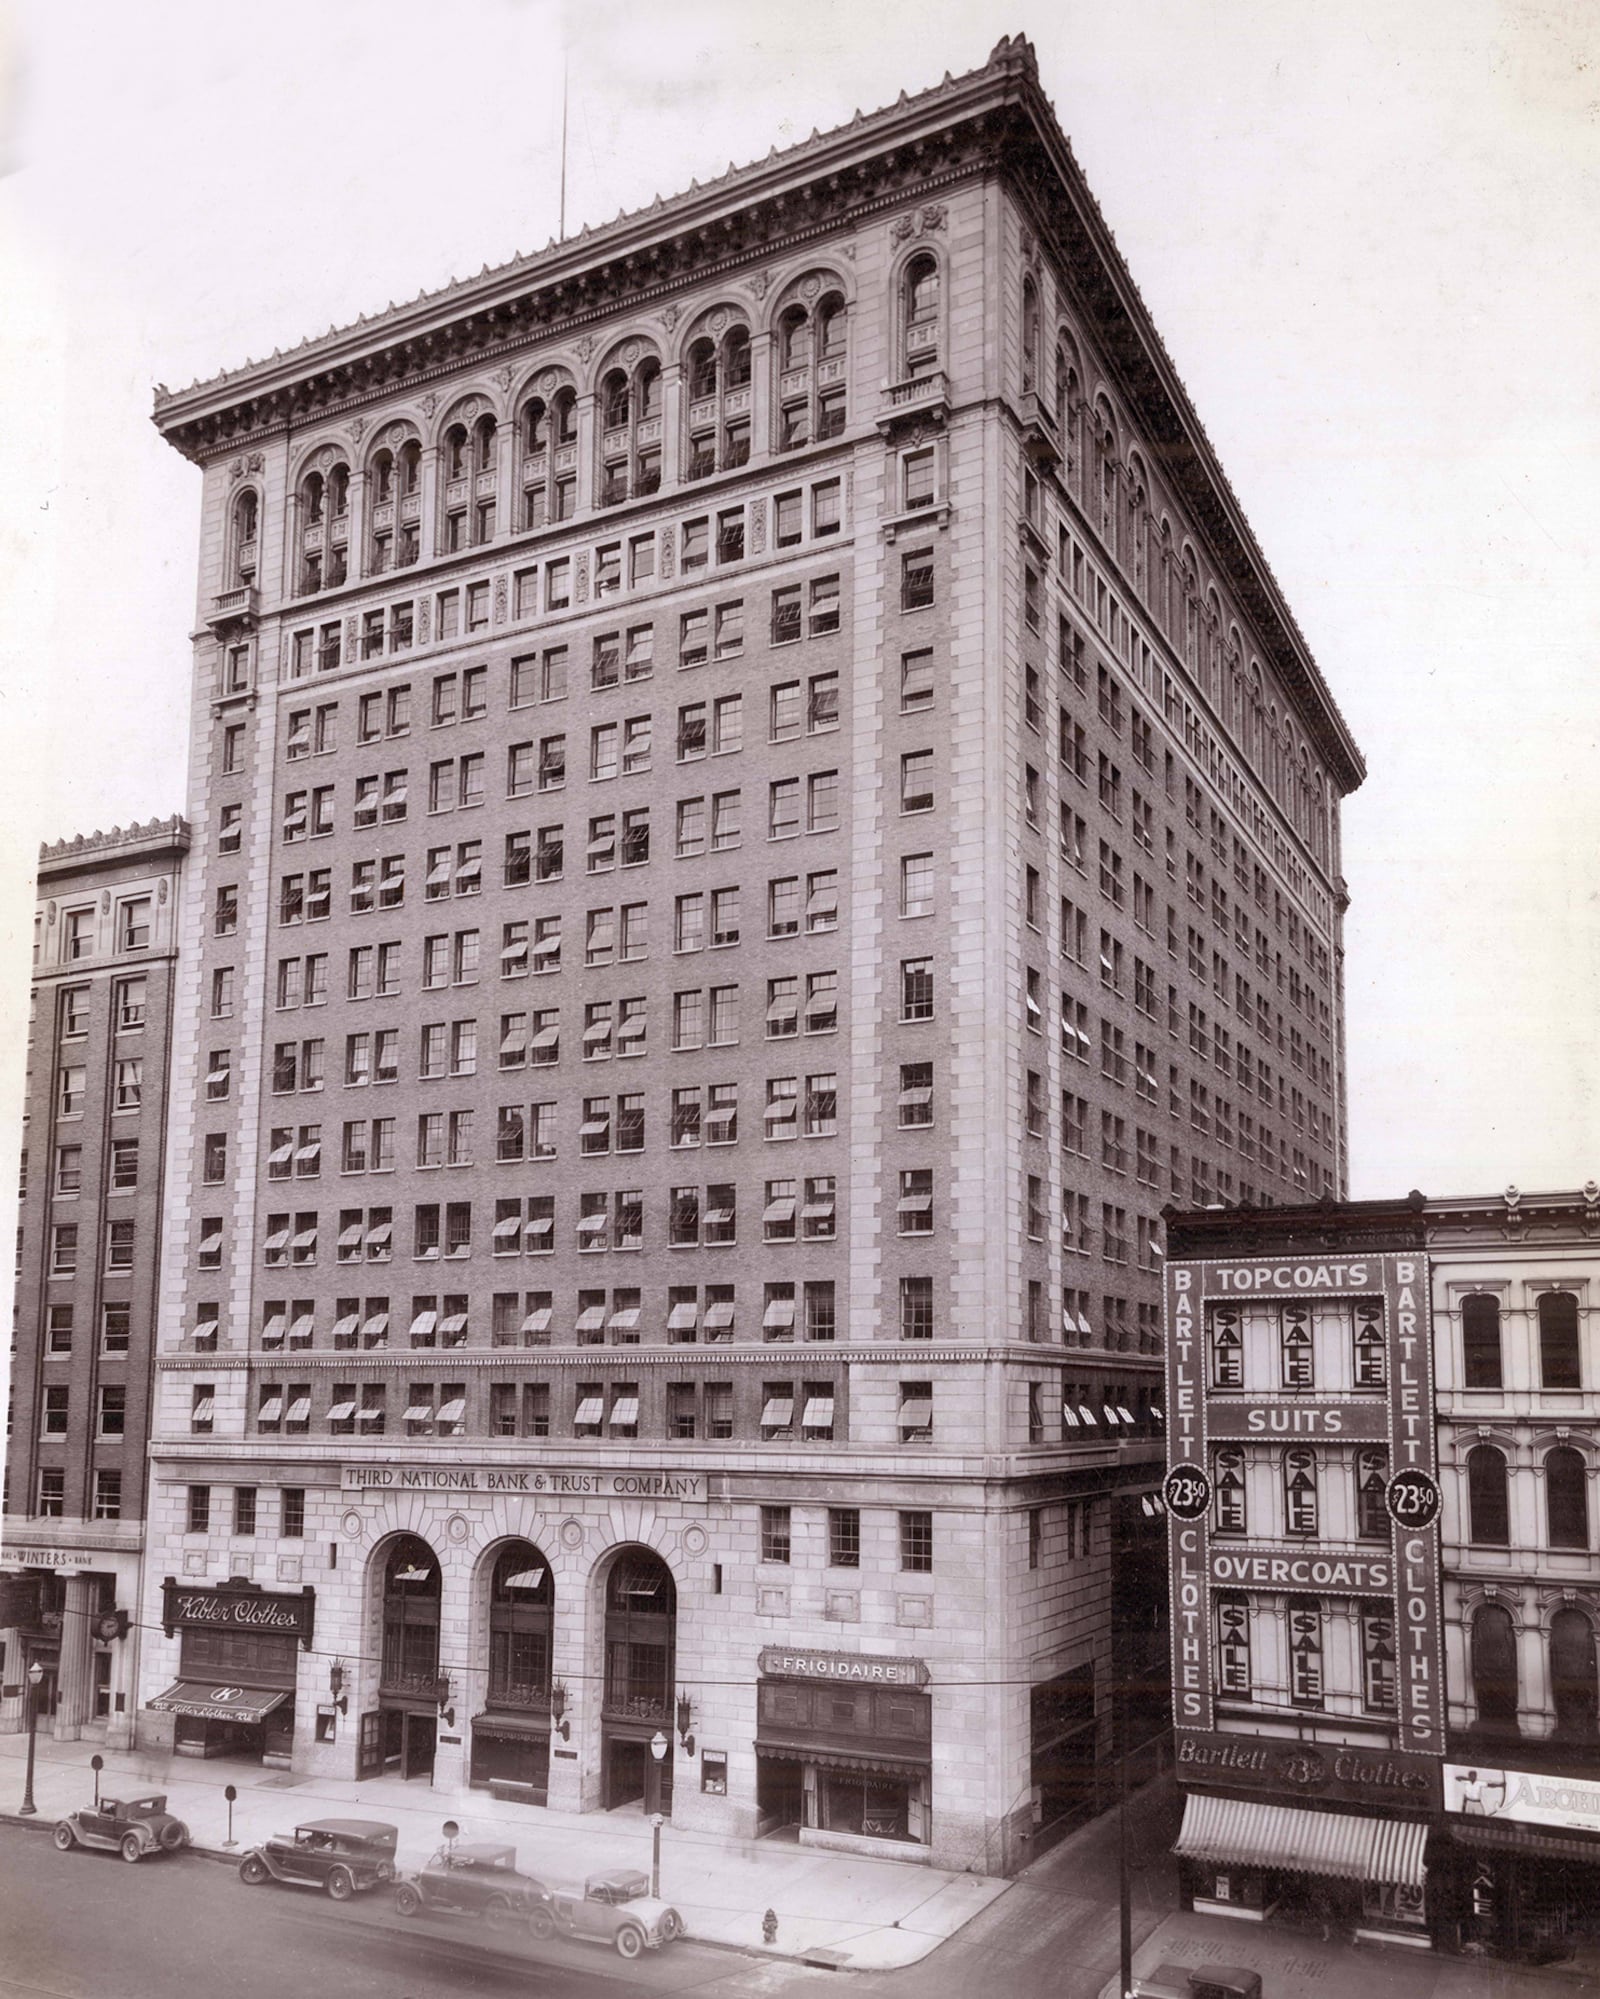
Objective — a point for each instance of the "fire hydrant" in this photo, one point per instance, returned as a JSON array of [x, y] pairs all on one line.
[[769, 1926]]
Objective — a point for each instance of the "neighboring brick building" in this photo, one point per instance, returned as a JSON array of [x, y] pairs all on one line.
[[758, 810], [94, 1130], [1388, 1700]]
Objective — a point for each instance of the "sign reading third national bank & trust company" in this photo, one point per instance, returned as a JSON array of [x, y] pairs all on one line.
[[1399, 1414]]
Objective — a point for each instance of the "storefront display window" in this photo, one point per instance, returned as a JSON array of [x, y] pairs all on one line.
[[876, 1807]]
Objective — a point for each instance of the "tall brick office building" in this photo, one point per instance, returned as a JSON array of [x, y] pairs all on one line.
[[94, 1133], [758, 811]]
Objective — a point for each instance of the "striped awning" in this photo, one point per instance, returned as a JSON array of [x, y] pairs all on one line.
[[1339, 1846]]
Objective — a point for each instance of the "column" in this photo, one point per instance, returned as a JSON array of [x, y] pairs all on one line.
[[763, 396], [1535, 1705], [75, 1698], [671, 423]]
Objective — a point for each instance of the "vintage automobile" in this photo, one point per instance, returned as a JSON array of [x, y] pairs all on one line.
[[615, 1908], [476, 1880], [343, 1856], [132, 1827]]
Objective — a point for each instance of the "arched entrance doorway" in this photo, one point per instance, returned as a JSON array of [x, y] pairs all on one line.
[[640, 1670], [511, 1737], [399, 1735]]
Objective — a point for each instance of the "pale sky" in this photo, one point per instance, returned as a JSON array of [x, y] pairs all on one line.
[[1367, 233]]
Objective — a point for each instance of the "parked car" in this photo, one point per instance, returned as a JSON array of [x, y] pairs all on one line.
[[132, 1827], [473, 1881], [615, 1908], [343, 1856]]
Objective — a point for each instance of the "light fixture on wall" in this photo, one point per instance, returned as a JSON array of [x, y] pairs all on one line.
[[337, 1697], [441, 1688], [685, 1723], [558, 1710]]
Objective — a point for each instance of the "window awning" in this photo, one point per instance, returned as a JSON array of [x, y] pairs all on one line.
[[543, 946], [1336, 1845], [719, 1314], [272, 1332], [515, 1042], [507, 1227], [819, 1413], [779, 1413], [596, 1031], [779, 1312], [816, 1211], [349, 1238], [454, 1322], [376, 1328], [379, 1234], [419, 1412], [201, 1412], [779, 1210], [589, 1410], [591, 1319], [209, 1703], [373, 1413], [341, 1412], [683, 1317], [547, 1037], [305, 1239], [299, 1410], [625, 1318], [280, 1154], [1501, 1836], [783, 1006], [453, 1410], [423, 1324], [271, 1410], [625, 1409], [631, 1028]]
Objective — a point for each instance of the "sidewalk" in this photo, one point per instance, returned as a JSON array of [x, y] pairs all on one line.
[[844, 1909], [1293, 1966]]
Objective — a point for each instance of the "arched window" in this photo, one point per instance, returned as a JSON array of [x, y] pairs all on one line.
[[1372, 1477], [641, 1624], [246, 525], [1566, 1498], [1488, 1505], [467, 504], [920, 316], [1065, 385], [382, 477], [323, 527], [1494, 1666], [485, 443], [393, 518], [455, 451], [1228, 1472], [719, 403], [1030, 337], [410, 468], [1305, 1651], [1572, 1675], [521, 1602], [630, 434], [1558, 1340], [1300, 1490], [411, 1588], [549, 473], [811, 375]]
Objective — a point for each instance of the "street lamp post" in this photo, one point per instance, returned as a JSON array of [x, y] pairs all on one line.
[[659, 1746], [35, 1675]]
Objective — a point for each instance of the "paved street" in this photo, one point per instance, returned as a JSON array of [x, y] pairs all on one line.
[[85, 1926]]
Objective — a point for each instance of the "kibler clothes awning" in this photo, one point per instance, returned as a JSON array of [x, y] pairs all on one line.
[[1237, 1832], [219, 1703]]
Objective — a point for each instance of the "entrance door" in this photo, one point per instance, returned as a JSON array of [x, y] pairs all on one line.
[[625, 1773], [417, 1757], [369, 1744], [780, 1792]]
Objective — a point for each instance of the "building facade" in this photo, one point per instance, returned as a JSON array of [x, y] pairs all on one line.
[[1516, 1312], [99, 1057], [1383, 1564], [757, 810]]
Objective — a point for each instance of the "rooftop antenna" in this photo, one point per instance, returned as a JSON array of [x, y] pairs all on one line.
[[562, 230]]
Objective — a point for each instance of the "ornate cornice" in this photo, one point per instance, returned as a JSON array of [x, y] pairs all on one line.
[[992, 120], [171, 833]]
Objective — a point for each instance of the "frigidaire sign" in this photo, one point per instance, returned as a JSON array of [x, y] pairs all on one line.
[[1322, 1369], [1394, 1778]]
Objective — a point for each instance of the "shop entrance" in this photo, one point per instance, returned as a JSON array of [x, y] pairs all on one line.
[[633, 1776], [780, 1793], [401, 1744]]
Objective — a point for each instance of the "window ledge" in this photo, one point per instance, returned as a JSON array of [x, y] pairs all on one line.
[[919, 518]]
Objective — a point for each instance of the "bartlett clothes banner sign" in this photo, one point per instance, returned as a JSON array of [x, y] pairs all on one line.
[[1241, 1371], [1535, 1798]]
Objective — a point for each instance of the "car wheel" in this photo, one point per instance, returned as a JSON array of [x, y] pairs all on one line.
[[339, 1885], [65, 1838], [542, 1924], [406, 1900], [630, 1940], [132, 1847], [498, 1913], [671, 1926], [253, 1870], [173, 1835]]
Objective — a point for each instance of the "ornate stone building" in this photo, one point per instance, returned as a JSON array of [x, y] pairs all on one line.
[[94, 1135], [758, 810]]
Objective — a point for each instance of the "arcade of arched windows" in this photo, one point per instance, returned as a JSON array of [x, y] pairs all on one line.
[[811, 367], [1527, 1668]]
